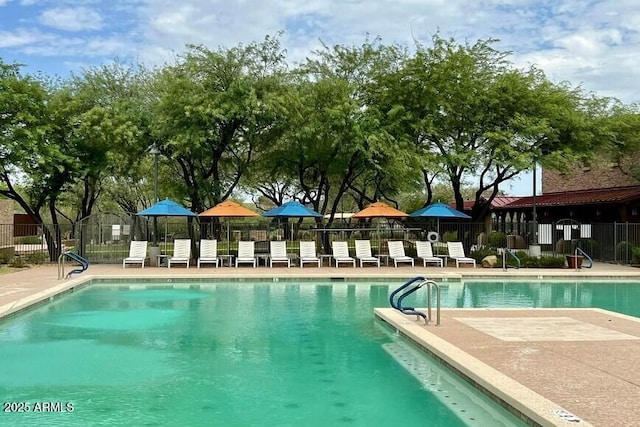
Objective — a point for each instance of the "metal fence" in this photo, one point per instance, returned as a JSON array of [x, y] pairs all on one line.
[[106, 238]]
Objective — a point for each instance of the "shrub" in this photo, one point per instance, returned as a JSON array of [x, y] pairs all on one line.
[[17, 262], [624, 251], [497, 240], [450, 236], [542, 262], [440, 249], [30, 240], [5, 256], [479, 254], [36, 258]]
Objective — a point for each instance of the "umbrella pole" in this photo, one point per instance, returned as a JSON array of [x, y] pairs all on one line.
[[165, 235], [155, 230]]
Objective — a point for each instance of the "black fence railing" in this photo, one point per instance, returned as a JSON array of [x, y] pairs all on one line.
[[108, 240]]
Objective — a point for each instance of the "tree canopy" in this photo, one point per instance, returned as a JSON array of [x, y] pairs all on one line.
[[348, 126]]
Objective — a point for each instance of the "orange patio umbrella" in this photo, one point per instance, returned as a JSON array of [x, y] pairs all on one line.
[[228, 208], [379, 210]]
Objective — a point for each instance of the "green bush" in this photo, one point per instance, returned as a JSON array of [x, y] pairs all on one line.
[[636, 255], [17, 262], [450, 236], [5, 256], [481, 253], [497, 240], [440, 250], [36, 258], [30, 240], [624, 251], [542, 262]]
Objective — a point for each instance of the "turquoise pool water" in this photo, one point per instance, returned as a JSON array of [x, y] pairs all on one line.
[[247, 354]]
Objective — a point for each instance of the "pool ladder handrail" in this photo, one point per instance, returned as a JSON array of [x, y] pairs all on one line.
[[579, 252], [84, 264], [506, 251], [418, 282]]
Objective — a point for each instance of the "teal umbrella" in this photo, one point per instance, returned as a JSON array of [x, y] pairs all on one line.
[[292, 209], [165, 207], [438, 210]]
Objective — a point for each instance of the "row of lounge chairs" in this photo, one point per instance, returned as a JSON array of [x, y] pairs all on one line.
[[278, 253]]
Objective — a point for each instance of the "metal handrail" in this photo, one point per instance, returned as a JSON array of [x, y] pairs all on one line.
[[579, 251], [506, 251], [83, 262], [408, 289], [431, 283]]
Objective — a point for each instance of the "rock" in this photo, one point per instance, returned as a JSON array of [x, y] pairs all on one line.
[[489, 261]]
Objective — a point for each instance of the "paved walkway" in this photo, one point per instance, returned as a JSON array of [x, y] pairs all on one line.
[[559, 367]]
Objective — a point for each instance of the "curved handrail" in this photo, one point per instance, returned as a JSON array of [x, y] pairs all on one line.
[[84, 264], [512, 254], [393, 294], [584, 254], [418, 282]]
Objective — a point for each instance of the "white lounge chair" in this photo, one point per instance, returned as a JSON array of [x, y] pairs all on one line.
[[278, 253], [396, 252], [137, 253], [246, 253], [181, 252], [308, 254], [341, 253], [363, 253], [456, 251], [425, 252], [208, 252]]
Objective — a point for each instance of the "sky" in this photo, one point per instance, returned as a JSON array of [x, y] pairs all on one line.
[[588, 43]]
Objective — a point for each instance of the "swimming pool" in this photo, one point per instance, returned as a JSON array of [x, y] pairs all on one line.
[[615, 295], [241, 354], [288, 353]]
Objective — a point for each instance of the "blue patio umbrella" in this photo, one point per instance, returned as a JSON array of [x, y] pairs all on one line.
[[165, 207], [438, 210], [292, 209]]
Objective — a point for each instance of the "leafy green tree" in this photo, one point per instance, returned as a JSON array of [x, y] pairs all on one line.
[[213, 111], [33, 170], [472, 116]]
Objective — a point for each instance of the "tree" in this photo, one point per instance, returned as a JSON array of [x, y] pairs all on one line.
[[28, 158], [472, 116], [213, 111]]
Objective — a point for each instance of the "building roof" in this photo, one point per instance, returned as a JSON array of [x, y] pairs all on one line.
[[496, 203], [582, 197]]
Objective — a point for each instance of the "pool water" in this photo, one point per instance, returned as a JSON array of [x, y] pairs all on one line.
[[614, 295], [235, 354]]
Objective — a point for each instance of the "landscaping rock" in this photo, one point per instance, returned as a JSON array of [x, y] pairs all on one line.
[[489, 261]]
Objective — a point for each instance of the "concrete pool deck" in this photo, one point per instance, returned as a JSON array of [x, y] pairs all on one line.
[[550, 364]]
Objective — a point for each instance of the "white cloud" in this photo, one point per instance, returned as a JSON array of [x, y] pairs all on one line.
[[18, 38], [72, 18], [595, 43]]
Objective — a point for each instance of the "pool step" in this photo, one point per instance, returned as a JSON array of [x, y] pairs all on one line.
[[469, 404]]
